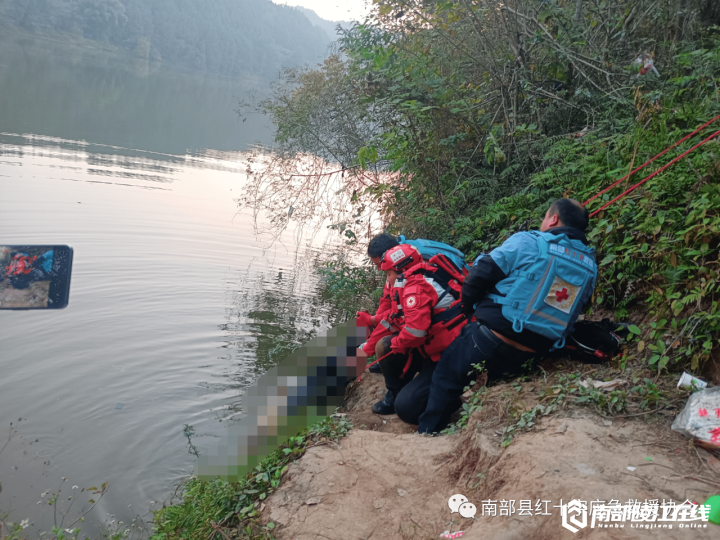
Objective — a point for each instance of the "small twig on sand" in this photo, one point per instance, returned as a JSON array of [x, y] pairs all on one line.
[[702, 461], [652, 444], [680, 475], [708, 482], [649, 412]]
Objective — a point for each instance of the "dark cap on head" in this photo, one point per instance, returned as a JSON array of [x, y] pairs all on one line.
[[571, 213]]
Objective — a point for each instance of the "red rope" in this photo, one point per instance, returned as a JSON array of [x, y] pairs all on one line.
[[408, 363], [655, 173], [649, 162], [375, 362]]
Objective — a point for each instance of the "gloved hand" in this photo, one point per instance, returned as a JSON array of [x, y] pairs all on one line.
[[467, 309], [364, 319]]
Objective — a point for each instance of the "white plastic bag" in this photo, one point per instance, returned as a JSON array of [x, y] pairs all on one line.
[[700, 419]]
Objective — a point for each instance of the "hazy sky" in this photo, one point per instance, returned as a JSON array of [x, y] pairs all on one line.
[[333, 10]]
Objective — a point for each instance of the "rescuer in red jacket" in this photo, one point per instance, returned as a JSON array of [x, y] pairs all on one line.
[[414, 335], [376, 248]]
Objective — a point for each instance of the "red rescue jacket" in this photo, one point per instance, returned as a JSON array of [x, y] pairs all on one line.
[[426, 311], [385, 307], [20, 265], [389, 316], [425, 301]]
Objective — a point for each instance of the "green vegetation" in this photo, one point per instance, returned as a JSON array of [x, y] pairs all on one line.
[[352, 287], [461, 121], [232, 509], [515, 407], [220, 36], [67, 517]]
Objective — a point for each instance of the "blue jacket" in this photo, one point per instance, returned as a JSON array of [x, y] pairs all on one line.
[[486, 275]]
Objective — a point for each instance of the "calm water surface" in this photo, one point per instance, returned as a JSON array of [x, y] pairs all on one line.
[[175, 304]]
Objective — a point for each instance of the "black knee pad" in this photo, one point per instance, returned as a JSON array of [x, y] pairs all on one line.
[[407, 409], [403, 409]]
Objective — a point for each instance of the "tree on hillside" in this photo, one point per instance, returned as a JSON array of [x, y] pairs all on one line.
[[462, 98], [228, 37]]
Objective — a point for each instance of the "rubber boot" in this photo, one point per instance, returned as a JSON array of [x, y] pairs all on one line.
[[387, 405]]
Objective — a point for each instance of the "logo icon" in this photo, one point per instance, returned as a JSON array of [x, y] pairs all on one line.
[[468, 510], [395, 256], [411, 301], [455, 501], [571, 512]]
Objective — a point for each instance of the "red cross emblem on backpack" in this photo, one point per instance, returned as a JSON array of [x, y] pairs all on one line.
[[562, 295]]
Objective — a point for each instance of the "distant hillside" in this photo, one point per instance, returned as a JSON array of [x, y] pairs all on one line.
[[328, 26], [228, 37]]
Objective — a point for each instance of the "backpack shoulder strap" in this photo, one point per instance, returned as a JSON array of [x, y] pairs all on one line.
[[448, 267], [441, 276]]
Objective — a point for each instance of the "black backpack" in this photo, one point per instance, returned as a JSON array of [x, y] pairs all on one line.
[[594, 342]]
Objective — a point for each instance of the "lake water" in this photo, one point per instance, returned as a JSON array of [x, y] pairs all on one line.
[[175, 304]]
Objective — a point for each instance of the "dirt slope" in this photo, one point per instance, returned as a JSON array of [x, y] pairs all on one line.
[[386, 482]]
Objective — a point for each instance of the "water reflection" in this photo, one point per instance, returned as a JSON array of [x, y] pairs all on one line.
[[267, 306], [175, 307], [268, 316], [81, 94]]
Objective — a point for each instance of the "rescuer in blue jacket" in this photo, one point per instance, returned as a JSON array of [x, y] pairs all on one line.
[[514, 326]]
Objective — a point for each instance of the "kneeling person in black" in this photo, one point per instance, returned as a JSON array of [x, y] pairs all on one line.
[[496, 342]]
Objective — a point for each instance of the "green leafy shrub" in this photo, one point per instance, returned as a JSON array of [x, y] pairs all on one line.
[[218, 504]]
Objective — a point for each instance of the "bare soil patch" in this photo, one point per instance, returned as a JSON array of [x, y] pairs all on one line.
[[386, 481]]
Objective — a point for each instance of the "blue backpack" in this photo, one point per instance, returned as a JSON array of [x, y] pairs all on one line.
[[429, 248], [547, 296]]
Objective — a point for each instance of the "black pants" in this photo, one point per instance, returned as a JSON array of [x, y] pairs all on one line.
[[412, 389], [475, 345]]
